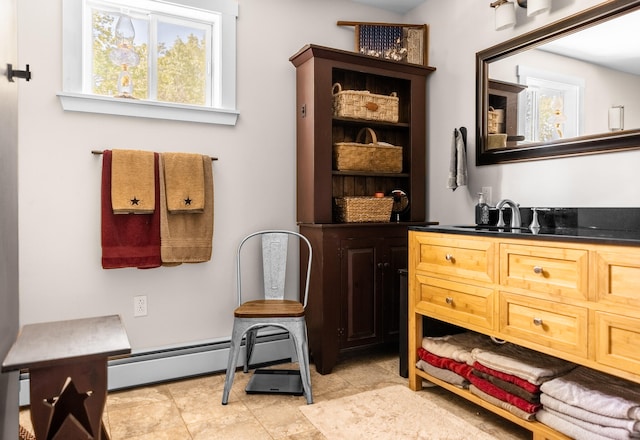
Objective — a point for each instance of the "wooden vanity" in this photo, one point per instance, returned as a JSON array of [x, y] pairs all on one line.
[[574, 298]]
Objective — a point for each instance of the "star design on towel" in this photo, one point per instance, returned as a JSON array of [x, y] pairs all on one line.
[[135, 201], [69, 403], [187, 201]]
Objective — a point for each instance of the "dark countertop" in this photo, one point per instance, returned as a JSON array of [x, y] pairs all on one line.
[[575, 234], [603, 225]]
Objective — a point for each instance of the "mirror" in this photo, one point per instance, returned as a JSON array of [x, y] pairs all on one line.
[[571, 87]]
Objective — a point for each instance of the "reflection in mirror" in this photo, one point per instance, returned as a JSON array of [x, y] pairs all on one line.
[[557, 91]]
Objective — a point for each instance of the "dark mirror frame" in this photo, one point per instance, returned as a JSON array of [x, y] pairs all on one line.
[[605, 142]]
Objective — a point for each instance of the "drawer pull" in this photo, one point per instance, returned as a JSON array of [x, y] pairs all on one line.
[[448, 257], [538, 269], [537, 321], [449, 300]]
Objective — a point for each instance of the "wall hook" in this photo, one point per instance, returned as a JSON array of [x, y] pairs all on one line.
[[25, 74]]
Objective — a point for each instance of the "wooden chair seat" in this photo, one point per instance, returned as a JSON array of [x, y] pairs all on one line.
[[270, 308]]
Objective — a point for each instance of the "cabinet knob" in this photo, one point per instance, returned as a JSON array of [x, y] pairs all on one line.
[[537, 321], [448, 257], [449, 300], [538, 269]]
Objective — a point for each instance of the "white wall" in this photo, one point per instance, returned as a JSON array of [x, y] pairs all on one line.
[[59, 179], [459, 29]]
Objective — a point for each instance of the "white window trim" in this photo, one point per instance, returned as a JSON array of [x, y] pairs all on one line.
[[72, 97], [575, 86]]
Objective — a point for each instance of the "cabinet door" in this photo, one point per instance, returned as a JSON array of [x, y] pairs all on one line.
[[361, 300], [395, 259]]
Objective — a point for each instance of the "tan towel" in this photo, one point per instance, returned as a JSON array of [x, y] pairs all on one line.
[[187, 238], [184, 182], [132, 182]]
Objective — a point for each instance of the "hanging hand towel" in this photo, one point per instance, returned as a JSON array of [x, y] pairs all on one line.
[[128, 240], [184, 182], [461, 163], [132, 182], [187, 238], [457, 162]]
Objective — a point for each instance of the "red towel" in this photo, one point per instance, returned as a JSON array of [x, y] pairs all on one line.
[[128, 240], [460, 368], [522, 383], [499, 393]]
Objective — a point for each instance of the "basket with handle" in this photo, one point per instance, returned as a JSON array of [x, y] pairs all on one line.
[[362, 104], [374, 156], [361, 209], [492, 121]]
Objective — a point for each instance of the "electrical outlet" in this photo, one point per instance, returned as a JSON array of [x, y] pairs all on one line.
[[140, 305], [486, 190]]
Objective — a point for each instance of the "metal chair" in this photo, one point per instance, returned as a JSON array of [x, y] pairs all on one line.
[[272, 311]]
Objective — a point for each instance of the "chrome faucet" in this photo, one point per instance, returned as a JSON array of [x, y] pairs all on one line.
[[515, 213]]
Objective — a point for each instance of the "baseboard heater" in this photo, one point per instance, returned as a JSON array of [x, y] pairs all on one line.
[[157, 366]]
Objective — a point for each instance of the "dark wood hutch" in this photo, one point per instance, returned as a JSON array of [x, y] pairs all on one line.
[[354, 293]]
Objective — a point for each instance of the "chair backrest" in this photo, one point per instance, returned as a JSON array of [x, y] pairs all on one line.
[[274, 249]]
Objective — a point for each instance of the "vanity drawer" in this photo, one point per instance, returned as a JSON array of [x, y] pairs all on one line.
[[617, 341], [559, 272], [618, 276], [461, 304], [456, 257], [549, 324]]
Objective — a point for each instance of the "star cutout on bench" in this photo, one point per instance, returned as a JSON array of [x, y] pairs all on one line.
[[187, 201], [135, 201], [69, 403]]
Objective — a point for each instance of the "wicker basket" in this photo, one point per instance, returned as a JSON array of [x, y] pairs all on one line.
[[362, 104], [373, 157], [492, 121], [359, 209]]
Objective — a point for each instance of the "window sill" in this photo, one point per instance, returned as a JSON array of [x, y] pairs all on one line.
[[78, 102]]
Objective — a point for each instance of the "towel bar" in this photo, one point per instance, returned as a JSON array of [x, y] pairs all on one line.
[[100, 152]]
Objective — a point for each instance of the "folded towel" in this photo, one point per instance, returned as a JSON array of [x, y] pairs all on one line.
[[504, 395], [597, 392], [457, 347], [509, 387], [606, 431], [184, 182], [133, 182], [502, 404], [527, 364], [443, 374], [567, 428], [548, 402], [128, 240], [457, 161], [460, 368], [522, 383], [187, 238]]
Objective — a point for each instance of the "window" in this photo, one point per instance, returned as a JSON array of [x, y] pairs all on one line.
[[151, 58], [551, 107]]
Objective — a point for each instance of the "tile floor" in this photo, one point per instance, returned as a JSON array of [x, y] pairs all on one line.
[[191, 410]]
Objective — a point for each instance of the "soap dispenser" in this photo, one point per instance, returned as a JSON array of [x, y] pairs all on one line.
[[482, 211]]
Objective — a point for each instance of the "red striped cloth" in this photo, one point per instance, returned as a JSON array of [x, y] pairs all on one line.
[[522, 383], [460, 368], [499, 393]]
